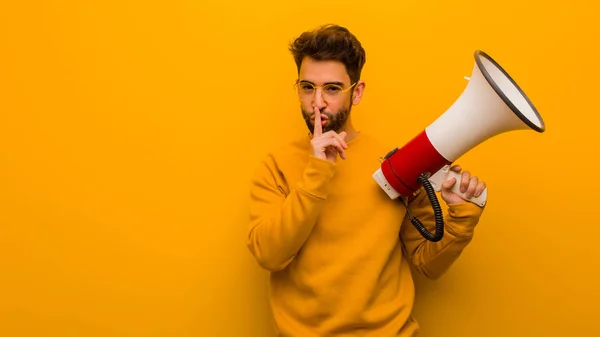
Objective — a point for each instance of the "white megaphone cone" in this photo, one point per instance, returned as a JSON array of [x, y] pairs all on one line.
[[491, 104]]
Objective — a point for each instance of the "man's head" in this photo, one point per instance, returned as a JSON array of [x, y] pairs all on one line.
[[333, 57]]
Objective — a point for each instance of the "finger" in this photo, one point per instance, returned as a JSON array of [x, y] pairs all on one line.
[[480, 188], [343, 135], [455, 168], [472, 185], [464, 181], [338, 146], [318, 127], [447, 185], [331, 153], [338, 137], [333, 143]]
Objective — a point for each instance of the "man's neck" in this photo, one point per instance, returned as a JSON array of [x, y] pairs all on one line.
[[351, 132]]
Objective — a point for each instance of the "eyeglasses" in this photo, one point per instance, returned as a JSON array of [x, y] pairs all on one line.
[[329, 92]]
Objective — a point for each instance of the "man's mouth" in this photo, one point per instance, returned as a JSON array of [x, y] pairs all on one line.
[[323, 120]]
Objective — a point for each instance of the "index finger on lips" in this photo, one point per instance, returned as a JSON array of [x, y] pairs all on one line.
[[318, 127]]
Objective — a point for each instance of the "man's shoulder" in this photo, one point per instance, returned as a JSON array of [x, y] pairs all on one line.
[[372, 139], [375, 144]]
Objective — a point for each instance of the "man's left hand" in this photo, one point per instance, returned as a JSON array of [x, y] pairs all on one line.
[[469, 185]]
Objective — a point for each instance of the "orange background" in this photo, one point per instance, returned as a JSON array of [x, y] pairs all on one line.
[[129, 131]]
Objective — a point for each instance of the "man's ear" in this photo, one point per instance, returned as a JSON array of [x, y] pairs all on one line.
[[358, 92]]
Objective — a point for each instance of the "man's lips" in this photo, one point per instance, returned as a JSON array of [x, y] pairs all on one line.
[[323, 120]]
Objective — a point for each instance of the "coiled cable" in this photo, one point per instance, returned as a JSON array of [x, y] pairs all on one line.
[[437, 211]]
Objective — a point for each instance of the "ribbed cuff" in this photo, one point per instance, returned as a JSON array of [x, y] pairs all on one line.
[[463, 217]]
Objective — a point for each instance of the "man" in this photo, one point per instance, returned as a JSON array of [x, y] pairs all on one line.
[[337, 246]]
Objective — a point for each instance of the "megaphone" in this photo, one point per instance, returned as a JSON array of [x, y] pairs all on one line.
[[492, 103]]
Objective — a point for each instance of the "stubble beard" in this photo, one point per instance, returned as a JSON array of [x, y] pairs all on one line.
[[335, 121]]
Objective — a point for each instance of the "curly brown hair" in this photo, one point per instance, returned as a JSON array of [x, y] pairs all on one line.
[[330, 42]]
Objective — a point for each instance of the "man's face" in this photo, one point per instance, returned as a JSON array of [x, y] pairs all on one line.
[[334, 108]]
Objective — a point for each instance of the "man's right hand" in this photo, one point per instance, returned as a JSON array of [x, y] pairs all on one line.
[[327, 145]]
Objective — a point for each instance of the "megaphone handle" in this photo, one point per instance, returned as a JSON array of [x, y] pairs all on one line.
[[445, 174]]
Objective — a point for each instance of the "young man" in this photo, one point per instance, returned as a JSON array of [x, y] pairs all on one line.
[[337, 246]]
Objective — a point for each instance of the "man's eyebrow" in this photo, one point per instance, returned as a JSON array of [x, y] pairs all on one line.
[[341, 84]]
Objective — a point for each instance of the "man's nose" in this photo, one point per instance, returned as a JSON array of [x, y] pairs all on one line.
[[318, 100]]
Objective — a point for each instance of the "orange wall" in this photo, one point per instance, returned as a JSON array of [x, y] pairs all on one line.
[[129, 131]]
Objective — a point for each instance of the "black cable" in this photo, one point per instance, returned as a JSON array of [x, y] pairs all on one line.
[[437, 210]]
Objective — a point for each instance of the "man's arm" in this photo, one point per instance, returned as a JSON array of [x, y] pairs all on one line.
[[433, 259], [281, 216]]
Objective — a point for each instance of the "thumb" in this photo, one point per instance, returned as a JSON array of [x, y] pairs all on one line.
[[343, 135]]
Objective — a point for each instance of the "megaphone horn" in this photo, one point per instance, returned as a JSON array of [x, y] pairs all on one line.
[[491, 104]]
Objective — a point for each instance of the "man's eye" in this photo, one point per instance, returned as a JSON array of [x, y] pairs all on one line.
[[306, 87], [332, 89]]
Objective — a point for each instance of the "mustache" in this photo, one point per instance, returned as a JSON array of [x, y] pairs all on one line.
[[311, 115]]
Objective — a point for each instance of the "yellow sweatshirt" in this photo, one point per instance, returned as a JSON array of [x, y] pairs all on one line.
[[339, 248]]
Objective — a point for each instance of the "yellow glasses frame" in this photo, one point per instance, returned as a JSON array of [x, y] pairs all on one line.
[[330, 90]]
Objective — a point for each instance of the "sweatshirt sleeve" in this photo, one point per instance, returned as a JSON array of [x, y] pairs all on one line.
[[433, 259], [281, 216]]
